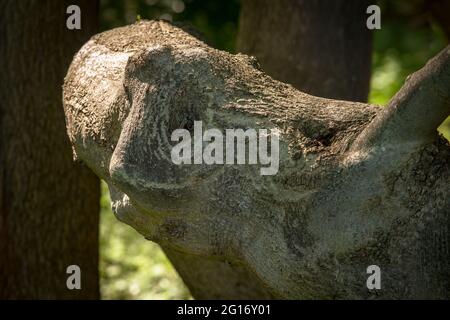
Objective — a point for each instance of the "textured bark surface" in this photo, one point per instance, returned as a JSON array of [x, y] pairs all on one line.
[[49, 205], [321, 47], [358, 185]]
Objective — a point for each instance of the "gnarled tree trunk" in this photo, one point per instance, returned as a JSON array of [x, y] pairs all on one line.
[[357, 185], [49, 205]]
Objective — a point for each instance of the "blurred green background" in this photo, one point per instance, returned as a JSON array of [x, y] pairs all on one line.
[[134, 268]]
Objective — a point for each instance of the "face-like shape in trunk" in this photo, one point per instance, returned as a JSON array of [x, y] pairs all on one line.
[[335, 202]]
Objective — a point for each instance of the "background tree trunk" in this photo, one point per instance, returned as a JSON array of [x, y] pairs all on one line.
[[320, 47], [48, 204]]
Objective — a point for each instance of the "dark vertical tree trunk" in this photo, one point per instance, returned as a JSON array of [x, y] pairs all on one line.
[[321, 47], [49, 205]]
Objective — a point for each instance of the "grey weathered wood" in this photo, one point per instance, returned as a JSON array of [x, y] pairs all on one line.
[[321, 47]]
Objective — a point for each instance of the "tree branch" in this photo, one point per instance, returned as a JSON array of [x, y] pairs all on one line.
[[416, 111]]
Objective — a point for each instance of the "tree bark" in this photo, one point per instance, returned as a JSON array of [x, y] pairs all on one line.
[[357, 185], [320, 47], [209, 278], [49, 205], [283, 34]]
